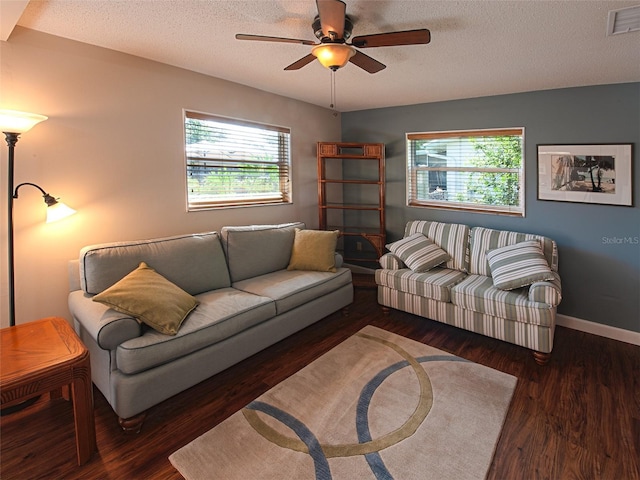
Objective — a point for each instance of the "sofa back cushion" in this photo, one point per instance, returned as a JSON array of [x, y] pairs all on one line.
[[451, 237], [258, 249], [483, 239], [195, 263]]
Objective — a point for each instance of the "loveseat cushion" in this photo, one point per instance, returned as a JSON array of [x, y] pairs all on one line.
[[292, 288], [220, 314], [435, 284], [194, 263], [484, 239], [258, 249], [477, 293], [452, 238]]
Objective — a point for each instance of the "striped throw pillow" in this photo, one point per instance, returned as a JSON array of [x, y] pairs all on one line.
[[418, 252], [518, 265]]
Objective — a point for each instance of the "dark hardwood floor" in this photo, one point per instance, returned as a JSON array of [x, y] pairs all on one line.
[[576, 418]]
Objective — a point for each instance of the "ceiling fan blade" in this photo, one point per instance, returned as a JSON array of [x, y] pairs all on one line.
[[367, 63], [391, 39], [264, 38], [301, 63], [332, 14]]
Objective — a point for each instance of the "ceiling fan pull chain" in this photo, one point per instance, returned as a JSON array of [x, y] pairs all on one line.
[[333, 89]]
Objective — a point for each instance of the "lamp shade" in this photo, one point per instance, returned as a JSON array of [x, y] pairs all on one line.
[[58, 211], [333, 55], [12, 121]]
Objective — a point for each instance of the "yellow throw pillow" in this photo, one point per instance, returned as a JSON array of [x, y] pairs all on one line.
[[151, 298], [314, 250]]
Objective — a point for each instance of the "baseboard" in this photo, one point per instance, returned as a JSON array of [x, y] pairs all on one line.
[[607, 331]]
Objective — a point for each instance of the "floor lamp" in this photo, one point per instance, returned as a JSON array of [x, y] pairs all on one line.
[[12, 124]]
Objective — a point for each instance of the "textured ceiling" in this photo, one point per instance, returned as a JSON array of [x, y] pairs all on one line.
[[478, 48]]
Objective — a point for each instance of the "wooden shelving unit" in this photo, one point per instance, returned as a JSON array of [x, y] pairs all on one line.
[[351, 189]]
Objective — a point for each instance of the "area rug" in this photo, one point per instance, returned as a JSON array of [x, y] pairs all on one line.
[[376, 406]]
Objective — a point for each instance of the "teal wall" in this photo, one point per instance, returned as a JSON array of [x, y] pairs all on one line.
[[599, 245]]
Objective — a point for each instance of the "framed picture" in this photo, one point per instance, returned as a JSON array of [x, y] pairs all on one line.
[[586, 173]]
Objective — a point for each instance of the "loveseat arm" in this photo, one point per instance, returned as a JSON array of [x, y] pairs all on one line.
[[389, 261], [549, 292], [106, 326]]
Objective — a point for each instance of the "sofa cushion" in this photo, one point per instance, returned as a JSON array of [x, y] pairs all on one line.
[[418, 252], [221, 314], [292, 288], [477, 293], [518, 265], [435, 284], [314, 250], [151, 298], [483, 239], [258, 249], [194, 263], [452, 238]]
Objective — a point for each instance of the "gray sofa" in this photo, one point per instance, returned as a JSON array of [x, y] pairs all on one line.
[[247, 301], [464, 290]]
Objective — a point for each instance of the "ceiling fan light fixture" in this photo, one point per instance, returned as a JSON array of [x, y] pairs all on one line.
[[333, 55]]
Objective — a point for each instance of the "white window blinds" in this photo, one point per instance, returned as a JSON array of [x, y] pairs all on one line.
[[233, 162]]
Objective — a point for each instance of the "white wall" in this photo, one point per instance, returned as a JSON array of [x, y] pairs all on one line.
[[113, 150]]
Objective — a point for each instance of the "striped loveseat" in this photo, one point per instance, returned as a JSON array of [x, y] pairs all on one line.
[[497, 283]]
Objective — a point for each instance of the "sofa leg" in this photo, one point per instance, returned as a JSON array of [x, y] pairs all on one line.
[[385, 310], [541, 358], [132, 424]]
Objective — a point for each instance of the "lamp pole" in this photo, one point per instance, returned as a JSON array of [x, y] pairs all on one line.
[[12, 139], [12, 124]]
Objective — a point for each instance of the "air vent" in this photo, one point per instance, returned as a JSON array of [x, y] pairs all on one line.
[[624, 20]]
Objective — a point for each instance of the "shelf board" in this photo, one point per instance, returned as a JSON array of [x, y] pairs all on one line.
[[360, 182], [351, 207], [350, 157]]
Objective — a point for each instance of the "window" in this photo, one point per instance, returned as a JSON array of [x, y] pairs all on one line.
[[235, 163], [478, 170]]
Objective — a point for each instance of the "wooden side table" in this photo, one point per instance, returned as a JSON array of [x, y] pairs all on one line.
[[44, 356]]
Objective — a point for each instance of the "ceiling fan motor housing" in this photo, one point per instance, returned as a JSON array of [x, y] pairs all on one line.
[[317, 29]]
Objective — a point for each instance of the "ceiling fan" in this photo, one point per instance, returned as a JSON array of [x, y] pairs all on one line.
[[332, 26]]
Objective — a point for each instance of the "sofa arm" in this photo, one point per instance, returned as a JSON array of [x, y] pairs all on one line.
[[549, 292], [106, 326], [389, 261]]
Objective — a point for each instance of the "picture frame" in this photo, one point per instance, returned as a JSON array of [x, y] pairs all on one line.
[[587, 173]]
